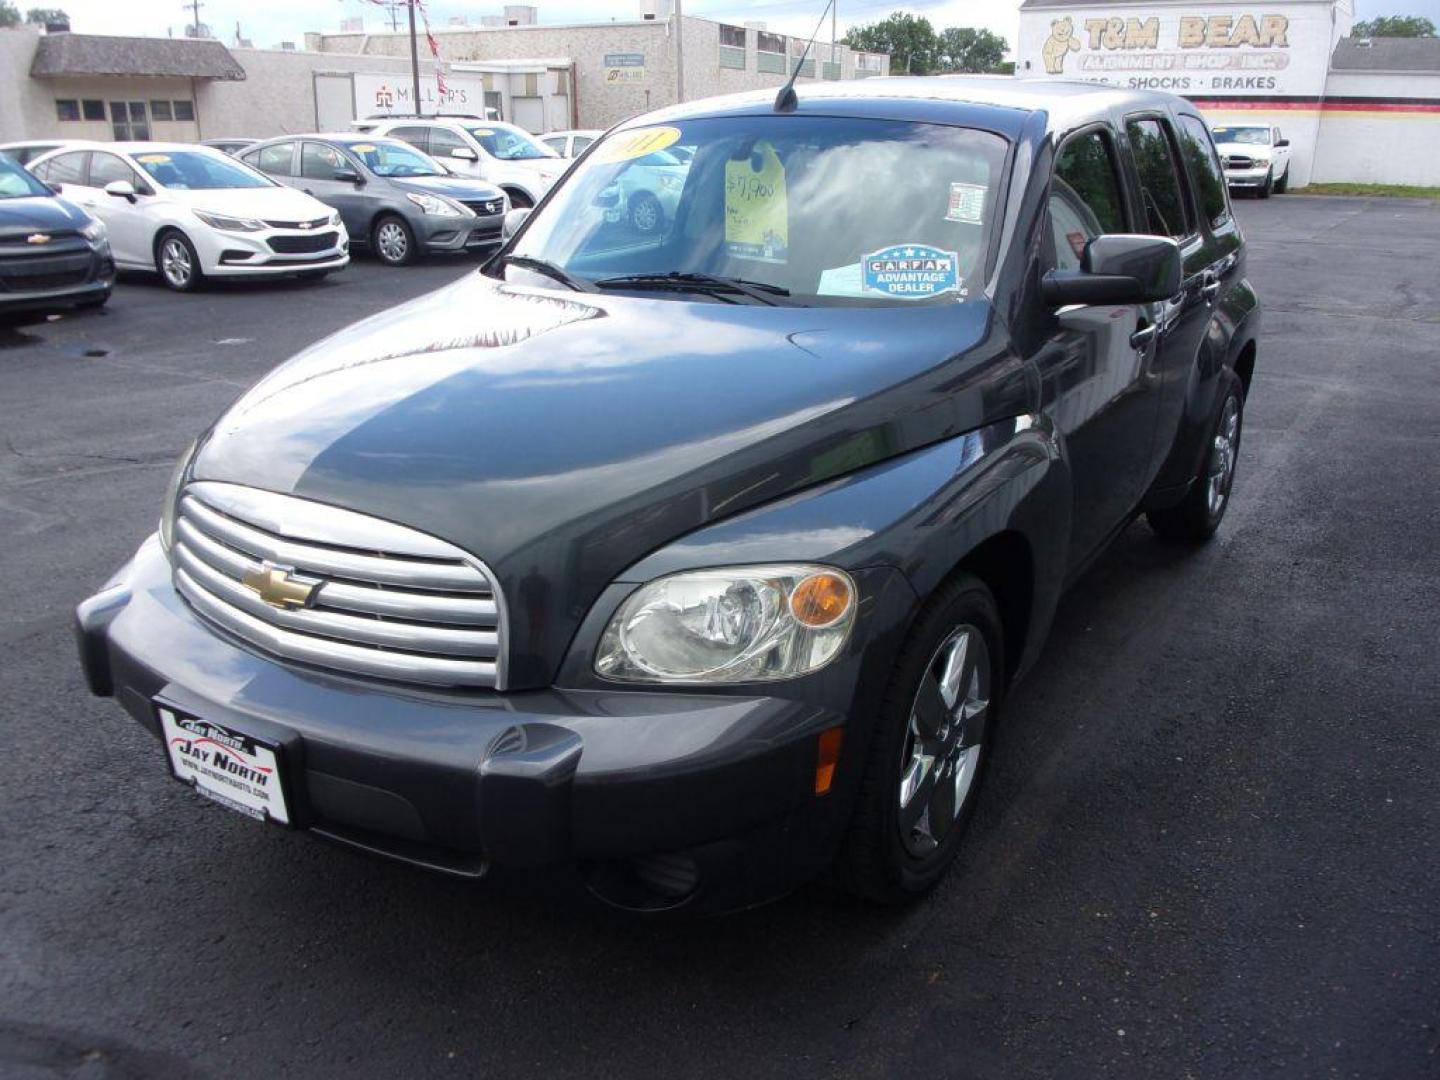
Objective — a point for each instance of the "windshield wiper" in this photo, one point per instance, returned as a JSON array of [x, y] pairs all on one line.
[[760, 291], [549, 269]]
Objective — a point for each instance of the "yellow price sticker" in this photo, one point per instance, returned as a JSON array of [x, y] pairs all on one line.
[[364, 148], [153, 159], [481, 133], [629, 145]]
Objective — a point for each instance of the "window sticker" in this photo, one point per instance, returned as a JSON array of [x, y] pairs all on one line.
[[629, 145], [757, 218], [364, 148], [481, 133], [154, 159], [967, 203], [912, 272]]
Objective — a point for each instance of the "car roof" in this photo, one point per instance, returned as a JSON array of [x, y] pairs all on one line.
[[998, 102], [133, 148]]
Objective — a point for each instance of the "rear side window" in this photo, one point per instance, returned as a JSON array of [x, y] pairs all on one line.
[[580, 143], [320, 162], [1160, 192], [277, 160], [107, 168], [417, 137], [1085, 197], [1205, 168], [443, 141], [63, 169]]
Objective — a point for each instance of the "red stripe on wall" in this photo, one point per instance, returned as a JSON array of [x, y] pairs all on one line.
[[1428, 108]]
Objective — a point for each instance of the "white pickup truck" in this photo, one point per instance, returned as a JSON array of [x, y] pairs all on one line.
[[1255, 156]]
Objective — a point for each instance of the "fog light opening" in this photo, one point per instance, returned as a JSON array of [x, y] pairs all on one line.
[[655, 882]]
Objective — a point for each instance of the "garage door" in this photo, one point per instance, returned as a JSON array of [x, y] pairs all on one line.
[[529, 113], [334, 102]]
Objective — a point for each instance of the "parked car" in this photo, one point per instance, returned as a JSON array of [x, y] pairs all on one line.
[[26, 152], [229, 146], [390, 195], [502, 154], [53, 256], [647, 193], [191, 212], [1255, 156], [707, 562], [491, 113], [571, 144]]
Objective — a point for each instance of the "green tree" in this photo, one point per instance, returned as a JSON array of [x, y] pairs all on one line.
[[909, 39], [9, 14], [965, 49], [1394, 26], [39, 16]]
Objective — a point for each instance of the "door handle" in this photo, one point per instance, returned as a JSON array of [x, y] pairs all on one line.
[[1211, 286], [1143, 335]]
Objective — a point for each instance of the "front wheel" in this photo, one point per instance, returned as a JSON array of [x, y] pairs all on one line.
[[393, 241], [928, 751], [177, 261], [1267, 187], [1283, 184], [1195, 519]]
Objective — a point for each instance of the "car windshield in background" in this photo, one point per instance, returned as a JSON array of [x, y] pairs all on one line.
[[808, 210], [189, 170], [1248, 136], [393, 159], [16, 183], [509, 145]]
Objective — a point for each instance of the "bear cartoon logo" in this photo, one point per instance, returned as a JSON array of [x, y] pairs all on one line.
[[1060, 41]]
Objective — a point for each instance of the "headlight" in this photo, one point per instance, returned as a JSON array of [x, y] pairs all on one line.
[[225, 223], [95, 231], [335, 220], [433, 204], [172, 496], [737, 624]]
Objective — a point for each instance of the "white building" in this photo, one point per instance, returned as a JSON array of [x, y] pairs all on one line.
[[1352, 111]]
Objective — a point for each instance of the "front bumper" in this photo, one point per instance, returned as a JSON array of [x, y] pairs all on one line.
[[87, 275], [233, 254], [458, 234], [1247, 178], [720, 786]]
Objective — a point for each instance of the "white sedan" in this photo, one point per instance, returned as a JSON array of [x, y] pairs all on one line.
[[190, 212]]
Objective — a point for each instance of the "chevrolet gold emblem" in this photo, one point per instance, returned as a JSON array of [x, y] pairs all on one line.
[[38, 238], [275, 585]]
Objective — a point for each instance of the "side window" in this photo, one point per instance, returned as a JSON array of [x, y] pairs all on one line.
[[107, 168], [556, 143], [319, 162], [442, 141], [417, 137], [1205, 168], [1085, 197], [578, 145], [1160, 191], [277, 160], [63, 169]]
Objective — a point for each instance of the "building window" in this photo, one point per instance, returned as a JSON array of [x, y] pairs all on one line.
[[832, 70], [770, 53], [562, 82], [532, 84], [128, 122], [184, 110], [94, 110], [160, 110], [732, 47], [732, 36], [67, 109], [773, 43], [866, 64]]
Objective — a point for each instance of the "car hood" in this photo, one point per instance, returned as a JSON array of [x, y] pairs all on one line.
[[455, 187], [40, 213], [266, 203], [562, 436], [1250, 150]]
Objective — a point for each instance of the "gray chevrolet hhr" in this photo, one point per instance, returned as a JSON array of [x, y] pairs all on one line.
[[391, 196]]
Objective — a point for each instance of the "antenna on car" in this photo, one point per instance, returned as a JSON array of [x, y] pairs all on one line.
[[785, 100]]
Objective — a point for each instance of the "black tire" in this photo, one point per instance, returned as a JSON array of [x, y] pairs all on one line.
[[646, 214], [879, 861], [1195, 518], [519, 200], [173, 250], [1283, 184], [392, 240], [1267, 187]]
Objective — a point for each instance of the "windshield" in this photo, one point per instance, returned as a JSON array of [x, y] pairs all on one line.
[[1249, 136], [825, 209], [194, 171], [393, 159], [509, 144], [16, 183]]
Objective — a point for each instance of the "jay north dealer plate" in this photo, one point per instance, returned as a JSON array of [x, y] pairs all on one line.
[[228, 766]]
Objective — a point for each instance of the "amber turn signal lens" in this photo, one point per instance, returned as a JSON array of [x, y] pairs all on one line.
[[828, 758], [820, 600]]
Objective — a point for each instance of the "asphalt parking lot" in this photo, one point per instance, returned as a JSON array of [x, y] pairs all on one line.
[[1208, 846]]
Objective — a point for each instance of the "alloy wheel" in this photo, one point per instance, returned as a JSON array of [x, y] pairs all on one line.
[[175, 262], [645, 215], [1222, 457], [940, 756]]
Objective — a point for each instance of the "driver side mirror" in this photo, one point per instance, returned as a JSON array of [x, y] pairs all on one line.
[[1282, 142], [513, 220], [1118, 269], [464, 153], [348, 176], [121, 189]]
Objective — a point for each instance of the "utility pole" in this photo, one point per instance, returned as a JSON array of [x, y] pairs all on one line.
[[834, 46], [414, 60], [194, 6], [679, 53]]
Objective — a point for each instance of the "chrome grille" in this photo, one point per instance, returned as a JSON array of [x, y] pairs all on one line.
[[1236, 161], [386, 601]]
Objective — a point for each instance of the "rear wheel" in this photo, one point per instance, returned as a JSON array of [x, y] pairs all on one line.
[[392, 240], [177, 261], [1195, 519], [928, 751]]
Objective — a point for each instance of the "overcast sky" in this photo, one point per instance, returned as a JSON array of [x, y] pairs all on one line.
[[267, 22]]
